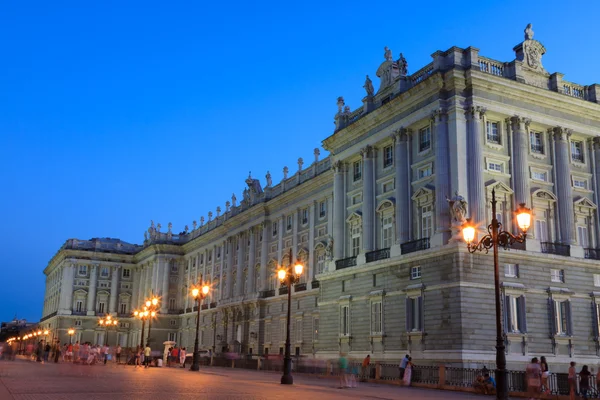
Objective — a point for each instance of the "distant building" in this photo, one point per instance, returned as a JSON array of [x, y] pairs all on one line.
[[386, 271], [14, 327]]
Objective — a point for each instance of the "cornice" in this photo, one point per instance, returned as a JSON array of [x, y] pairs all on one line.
[[88, 256]]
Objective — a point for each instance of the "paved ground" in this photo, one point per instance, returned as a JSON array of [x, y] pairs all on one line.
[[24, 380]]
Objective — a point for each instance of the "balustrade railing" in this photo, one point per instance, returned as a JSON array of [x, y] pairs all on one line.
[[422, 74], [283, 290], [381, 254], [213, 304], [414, 245], [492, 67], [574, 90], [556, 248], [345, 263], [315, 284]]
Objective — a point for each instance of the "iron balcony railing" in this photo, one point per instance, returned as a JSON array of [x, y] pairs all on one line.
[[300, 287], [268, 293], [592, 254], [345, 263], [283, 290], [415, 245], [381, 254], [204, 307], [315, 284], [556, 248], [213, 304]]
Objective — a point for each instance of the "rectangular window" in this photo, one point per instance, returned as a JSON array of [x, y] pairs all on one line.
[[77, 322], [274, 228], [539, 176], [388, 156], [101, 307], [201, 259], [424, 172], [541, 228], [562, 317], [493, 135], [415, 272], [123, 308], [376, 314], [414, 309], [103, 284], [104, 272], [79, 306], [495, 166], [387, 233], [305, 216], [577, 151], [172, 336], [315, 328], [173, 322], [511, 270], [355, 239], [174, 267], [289, 223], [320, 262], [580, 183], [388, 187], [424, 139], [597, 280], [557, 275], [83, 270], [536, 139], [426, 221], [345, 320], [357, 170], [356, 199], [514, 314], [582, 236], [322, 209], [171, 304], [126, 272]]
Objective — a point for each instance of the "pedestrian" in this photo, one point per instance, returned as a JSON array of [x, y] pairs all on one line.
[[118, 353], [175, 356], [408, 372], [106, 353], [147, 352], [76, 350], [138, 354], [403, 366], [572, 380], [533, 373], [182, 354], [70, 352], [584, 381], [365, 366], [56, 351], [545, 374], [343, 365]]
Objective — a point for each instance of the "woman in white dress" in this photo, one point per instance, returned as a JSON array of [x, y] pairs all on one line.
[[182, 355], [408, 372]]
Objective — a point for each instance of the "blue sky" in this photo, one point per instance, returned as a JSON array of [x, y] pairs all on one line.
[[115, 113]]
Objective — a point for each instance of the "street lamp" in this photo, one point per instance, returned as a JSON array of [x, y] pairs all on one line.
[[71, 332], [143, 315], [152, 310], [107, 322], [492, 240], [288, 276], [198, 295]]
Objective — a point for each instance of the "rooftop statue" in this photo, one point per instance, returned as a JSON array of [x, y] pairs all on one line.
[[269, 179], [528, 32], [369, 87], [388, 54], [402, 65]]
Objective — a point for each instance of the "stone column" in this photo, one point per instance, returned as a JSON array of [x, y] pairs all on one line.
[[280, 239], [520, 172], [141, 286], [264, 256], [229, 268], [91, 299], [114, 289], [368, 205], [339, 211], [222, 269], [136, 287], [166, 272], [476, 204], [457, 143], [563, 185], [295, 235], [311, 241], [251, 261], [402, 186], [596, 166], [241, 242], [442, 177], [66, 290]]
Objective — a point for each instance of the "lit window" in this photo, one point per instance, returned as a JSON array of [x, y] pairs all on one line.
[[415, 272], [536, 140], [493, 135], [577, 151], [388, 156], [424, 139], [357, 170]]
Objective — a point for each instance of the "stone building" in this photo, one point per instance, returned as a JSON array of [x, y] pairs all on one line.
[[378, 225]]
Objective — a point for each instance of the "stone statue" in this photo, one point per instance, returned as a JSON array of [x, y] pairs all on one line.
[[300, 164], [218, 211], [227, 205], [158, 227], [285, 172], [317, 153], [528, 32], [369, 87], [246, 195], [170, 226], [194, 225], [201, 221], [402, 65], [329, 248], [152, 227], [340, 104], [269, 180], [233, 200], [388, 54], [186, 229], [209, 216], [458, 208]]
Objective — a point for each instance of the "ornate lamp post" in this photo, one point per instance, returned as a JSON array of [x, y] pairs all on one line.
[[143, 315], [288, 276], [152, 307], [492, 240], [107, 322], [198, 295], [71, 332]]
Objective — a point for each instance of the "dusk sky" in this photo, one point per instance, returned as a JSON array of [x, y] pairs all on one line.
[[112, 115]]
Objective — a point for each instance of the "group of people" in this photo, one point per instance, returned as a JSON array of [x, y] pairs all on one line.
[[176, 356], [348, 374]]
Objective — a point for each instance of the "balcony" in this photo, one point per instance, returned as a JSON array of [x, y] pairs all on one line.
[[378, 255], [204, 307], [345, 263], [315, 284], [173, 311], [213, 304], [268, 293], [79, 313], [300, 287], [592, 254], [415, 245], [556, 248], [195, 308], [283, 290]]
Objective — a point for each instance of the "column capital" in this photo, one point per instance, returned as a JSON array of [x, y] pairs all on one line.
[[561, 133], [596, 142], [338, 167], [438, 115], [517, 121], [476, 112], [400, 135], [367, 151]]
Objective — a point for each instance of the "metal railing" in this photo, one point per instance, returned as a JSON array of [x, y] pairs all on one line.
[[300, 287], [283, 290], [592, 254], [414, 245], [213, 304], [490, 66], [315, 284], [556, 248], [345, 263], [268, 293], [381, 254]]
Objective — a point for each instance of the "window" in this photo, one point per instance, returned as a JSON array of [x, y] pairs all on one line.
[[79, 306], [561, 313], [355, 239], [541, 228], [171, 303], [123, 308], [388, 187], [173, 322], [577, 151], [172, 336], [494, 166], [274, 228], [83, 270], [424, 172], [101, 307], [322, 231], [388, 156], [210, 253], [103, 284], [289, 223], [356, 199], [511, 270], [582, 236], [376, 314], [414, 309], [104, 272], [218, 253], [201, 259], [305, 216], [580, 183], [345, 320], [77, 322], [424, 139], [557, 275], [415, 272], [322, 209], [298, 330], [493, 135], [357, 170], [514, 314], [539, 176], [596, 279], [315, 328], [320, 262], [387, 233], [126, 272], [426, 221], [536, 140]]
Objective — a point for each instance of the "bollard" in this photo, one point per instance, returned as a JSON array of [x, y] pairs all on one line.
[[258, 364], [232, 363], [442, 377], [377, 370]]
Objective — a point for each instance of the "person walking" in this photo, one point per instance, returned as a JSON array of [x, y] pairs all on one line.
[[182, 354], [174, 356], [343, 366], [76, 350], [408, 372], [147, 352], [106, 353], [118, 353], [364, 368], [403, 366], [56, 351], [533, 372], [138, 355], [545, 374], [571, 378], [584, 381]]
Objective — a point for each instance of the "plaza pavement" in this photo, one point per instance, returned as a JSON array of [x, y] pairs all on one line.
[[24, 380]]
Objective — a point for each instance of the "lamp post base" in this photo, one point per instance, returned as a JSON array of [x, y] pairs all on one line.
[[195, 367], [287, 380]]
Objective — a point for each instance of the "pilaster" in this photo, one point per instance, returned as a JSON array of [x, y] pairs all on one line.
[[563, 185], [368, 206], [520, 175], [402, 186], [442, 178], [338, 209], [311, 240], [241, 244], [114, 289], [264, 256], [227, 292], [91, 299], [251, 261], [476, 206]]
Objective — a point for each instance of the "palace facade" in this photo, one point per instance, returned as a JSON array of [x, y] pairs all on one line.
[[386, 271]]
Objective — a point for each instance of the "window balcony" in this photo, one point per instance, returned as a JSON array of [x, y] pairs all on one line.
[[300, 287], [556, 248], [213, 304], [592, 254], [173, 311], [79, 313], [378, 255], [268, 293], [204, 307], [415, 245], [283, 290], [315, 284], [345, 263]]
